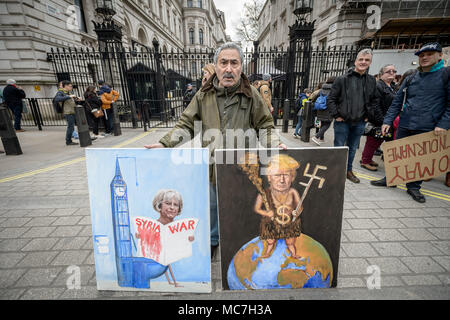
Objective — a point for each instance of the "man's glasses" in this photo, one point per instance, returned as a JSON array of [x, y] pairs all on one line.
[[391, 71]]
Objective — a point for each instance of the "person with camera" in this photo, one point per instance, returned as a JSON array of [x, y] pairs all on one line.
[[386, 93], [423, 103], [68, 101]]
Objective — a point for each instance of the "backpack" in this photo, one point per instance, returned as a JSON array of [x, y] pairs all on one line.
[[57, 106], [321, 102]]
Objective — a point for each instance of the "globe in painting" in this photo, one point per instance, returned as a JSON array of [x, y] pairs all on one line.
[[248, 270]]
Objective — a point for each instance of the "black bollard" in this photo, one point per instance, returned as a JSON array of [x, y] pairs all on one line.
[[134, 116], [116, 120], [307, 121], [82, 126], [8, 134], [285, 116]]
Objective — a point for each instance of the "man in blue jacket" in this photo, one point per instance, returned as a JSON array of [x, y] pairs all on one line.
[[426, 106]]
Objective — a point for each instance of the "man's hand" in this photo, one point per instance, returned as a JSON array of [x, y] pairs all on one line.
[[439, 131], [385, 129], [339, 119], [154, 146]]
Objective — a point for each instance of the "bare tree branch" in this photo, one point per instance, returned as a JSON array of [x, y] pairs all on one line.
[[247, 28]]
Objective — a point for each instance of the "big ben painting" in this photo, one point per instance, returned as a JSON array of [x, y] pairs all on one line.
[[280, 217], [150, 225]]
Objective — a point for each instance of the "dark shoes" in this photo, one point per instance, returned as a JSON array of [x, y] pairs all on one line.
[[352, 177], [71, 143], [378, 152], [379, 183], [416, 195]]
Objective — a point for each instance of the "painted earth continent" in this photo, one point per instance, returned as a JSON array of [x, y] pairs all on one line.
[[248, 270]]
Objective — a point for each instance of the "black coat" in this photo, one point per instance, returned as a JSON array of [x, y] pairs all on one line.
[[13, 96], [353, 97], [92, 101]]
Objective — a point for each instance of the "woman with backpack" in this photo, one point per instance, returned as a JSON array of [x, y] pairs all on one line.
[[323, 114]]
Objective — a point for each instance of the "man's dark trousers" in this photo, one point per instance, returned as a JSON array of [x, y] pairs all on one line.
[[17, 111], [70, 118], [348, 134]]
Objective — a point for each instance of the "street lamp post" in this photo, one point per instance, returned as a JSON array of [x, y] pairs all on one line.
[[109, 36], [300, 35], [108, 33]]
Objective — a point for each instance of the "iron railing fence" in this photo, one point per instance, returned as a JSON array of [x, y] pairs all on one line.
[[155, 81], [132, 114]]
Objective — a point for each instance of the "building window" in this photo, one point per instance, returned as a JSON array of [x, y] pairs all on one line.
[[191, 36], [323, 43], [200, 3], [200, 36], [80, 15], [189, 3]]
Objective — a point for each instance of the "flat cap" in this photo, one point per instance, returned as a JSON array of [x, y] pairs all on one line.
[[432, 46]]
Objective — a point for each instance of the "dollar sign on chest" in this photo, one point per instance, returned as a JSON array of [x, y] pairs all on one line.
[[283, 216]]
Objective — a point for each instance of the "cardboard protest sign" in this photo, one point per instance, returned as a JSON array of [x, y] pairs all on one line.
[[150, 219], [280, 217], [417, 157]]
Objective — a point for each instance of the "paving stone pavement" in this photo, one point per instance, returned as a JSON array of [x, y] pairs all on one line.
[[45, 230]]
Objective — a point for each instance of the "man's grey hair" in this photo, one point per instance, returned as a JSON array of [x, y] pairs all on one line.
[[384, 67], [229, 45], [364, 52]]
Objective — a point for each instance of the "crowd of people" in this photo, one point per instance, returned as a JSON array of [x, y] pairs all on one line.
[[357, 103], [97, 106], [383, 108]]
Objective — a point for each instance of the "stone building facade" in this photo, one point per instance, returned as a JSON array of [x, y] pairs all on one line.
[[29, 28], [274, 20], [342, 22]]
